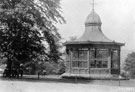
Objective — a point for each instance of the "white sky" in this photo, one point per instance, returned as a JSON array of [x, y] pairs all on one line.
[[117, 16]]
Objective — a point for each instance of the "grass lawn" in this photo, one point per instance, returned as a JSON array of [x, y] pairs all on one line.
[[53, 83]]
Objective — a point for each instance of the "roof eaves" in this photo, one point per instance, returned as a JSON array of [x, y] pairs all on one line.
[[90, 42]]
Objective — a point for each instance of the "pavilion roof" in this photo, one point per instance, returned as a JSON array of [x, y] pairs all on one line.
[[93, 33]]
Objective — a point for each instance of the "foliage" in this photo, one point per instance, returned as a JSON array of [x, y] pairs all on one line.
[[62, 67], [129, 65], [51, 67], [27, 29]]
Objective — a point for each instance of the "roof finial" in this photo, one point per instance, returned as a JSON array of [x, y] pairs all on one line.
[[93, 5]]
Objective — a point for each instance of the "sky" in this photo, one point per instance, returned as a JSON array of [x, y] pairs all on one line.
[[117, 16]]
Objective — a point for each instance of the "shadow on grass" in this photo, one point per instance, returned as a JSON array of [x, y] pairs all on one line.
[[49, 80], [57, 79]]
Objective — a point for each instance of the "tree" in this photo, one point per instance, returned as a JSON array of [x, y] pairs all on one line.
[[129, 65], [62, 67], [27, 28]]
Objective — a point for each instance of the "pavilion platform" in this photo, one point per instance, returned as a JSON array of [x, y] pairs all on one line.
[[93, 76]]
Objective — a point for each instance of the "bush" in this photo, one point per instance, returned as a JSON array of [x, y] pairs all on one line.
[[129, 66]]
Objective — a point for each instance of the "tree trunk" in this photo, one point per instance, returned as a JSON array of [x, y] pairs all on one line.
[[9, 64]]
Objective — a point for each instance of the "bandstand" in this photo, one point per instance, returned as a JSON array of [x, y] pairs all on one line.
[[93, 54]]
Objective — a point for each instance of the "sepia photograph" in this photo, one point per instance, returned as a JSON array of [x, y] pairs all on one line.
[[67, 46]]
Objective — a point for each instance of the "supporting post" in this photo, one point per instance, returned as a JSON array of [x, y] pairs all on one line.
[[119, 79], [119, 61], [70, 61], [111, 60], [109, 64], [71, 58], [38, 75], [76, 79], [89, 61]]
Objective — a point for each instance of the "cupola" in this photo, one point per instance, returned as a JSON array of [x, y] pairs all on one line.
[[93, 19]]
